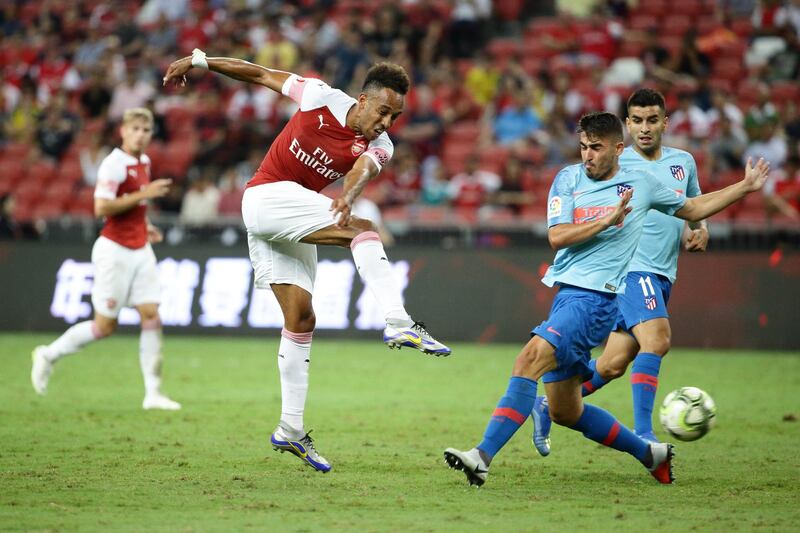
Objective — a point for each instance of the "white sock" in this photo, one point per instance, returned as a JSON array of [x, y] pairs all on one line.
[[72, 340], [375, 270], [294, 356], [150, 355]]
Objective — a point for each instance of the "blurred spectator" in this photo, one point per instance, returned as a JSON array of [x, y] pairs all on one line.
[[230, 194], [404, 176], [133, 92], [320, 36], [348, 57], [687, 123], [472, 188], [598, 42], [90, 50], [727, 145], [761, 112], [96, 97], [381, 35], [10, 227], [174, 10], [91, 156], [22, 121], [689, 60], [512, 193], [468, 19], [784, 65], [424, 128], [57, 127], [481, 80], [277, 52], [164, 36], [435, 186], [516, 121], [737, 8], [201, 202], [769, 143], [782, 191], [788, 15]]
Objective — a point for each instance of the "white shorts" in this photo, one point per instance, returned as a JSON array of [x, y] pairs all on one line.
[[123, 277], [277, 215]]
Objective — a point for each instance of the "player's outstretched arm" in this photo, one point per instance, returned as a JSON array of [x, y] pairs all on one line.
[[362, 172], [705, 205], [566, 235], [104, 207], [237, 69]]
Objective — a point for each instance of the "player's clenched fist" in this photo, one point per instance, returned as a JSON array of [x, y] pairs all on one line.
[[157, 188]]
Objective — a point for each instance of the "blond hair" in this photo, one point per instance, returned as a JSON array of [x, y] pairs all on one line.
[[137, 113]]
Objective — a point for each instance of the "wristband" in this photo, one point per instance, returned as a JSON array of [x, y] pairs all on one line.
[[199, 59]]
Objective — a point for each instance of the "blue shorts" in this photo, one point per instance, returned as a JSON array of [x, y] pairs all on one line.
[[645, 298], [579, 320]]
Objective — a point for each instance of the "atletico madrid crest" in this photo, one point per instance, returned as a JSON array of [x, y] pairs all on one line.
[[622, 188], [677, 172], [650, 302]]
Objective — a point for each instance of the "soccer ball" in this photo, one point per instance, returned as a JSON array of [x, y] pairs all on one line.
[[688, 413]]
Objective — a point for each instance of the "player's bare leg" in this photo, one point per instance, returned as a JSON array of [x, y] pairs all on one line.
[[72, 340], [620, 351], [374, 268], [151, 358], [294, 358]]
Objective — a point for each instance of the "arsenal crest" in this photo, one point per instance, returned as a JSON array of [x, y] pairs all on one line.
[[622, 188], [677, 172], [358, 147]]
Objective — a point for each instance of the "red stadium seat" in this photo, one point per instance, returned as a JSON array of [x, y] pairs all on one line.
[[690, 8], [676, 25], [631, 49], [785, 91], [464, 131], [42, 172], [729, 69], [493, 159], [743, 27], [503, 49], [654, 8], [70, 171], [12, 170], [508, 10], [16, 150], [643, 22], [82, 203]]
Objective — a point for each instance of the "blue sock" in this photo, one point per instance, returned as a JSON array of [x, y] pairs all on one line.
[[596, 382], [644, 382], [511, 412], [601, 426]]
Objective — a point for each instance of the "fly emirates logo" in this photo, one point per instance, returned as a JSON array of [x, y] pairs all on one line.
[[318, 160]]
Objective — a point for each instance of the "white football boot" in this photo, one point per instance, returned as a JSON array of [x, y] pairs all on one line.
[[41, 368], [469, 462], [156, 400], [414, 336]]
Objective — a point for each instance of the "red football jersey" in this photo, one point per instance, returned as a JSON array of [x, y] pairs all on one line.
[[316, 147], [119, 174]]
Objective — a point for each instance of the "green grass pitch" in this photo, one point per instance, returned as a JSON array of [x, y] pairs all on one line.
[[87, 458]]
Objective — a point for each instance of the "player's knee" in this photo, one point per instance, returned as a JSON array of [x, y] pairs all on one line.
[[363, 225], [104, 327], [612, 369], [564, 415], [657, 344], [302, 321]]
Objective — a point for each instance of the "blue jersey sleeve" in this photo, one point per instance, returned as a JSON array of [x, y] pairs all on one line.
[[662, 198], [693, 183], [560, 201]]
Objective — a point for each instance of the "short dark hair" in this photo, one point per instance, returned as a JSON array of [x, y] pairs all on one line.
[[389, 75], [600, 124], [646, 98]]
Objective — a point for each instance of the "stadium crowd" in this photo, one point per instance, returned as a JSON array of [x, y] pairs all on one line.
[[497, 89]]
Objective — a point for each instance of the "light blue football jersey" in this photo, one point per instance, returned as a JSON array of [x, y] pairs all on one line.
[[660, 242], [601, 263]]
